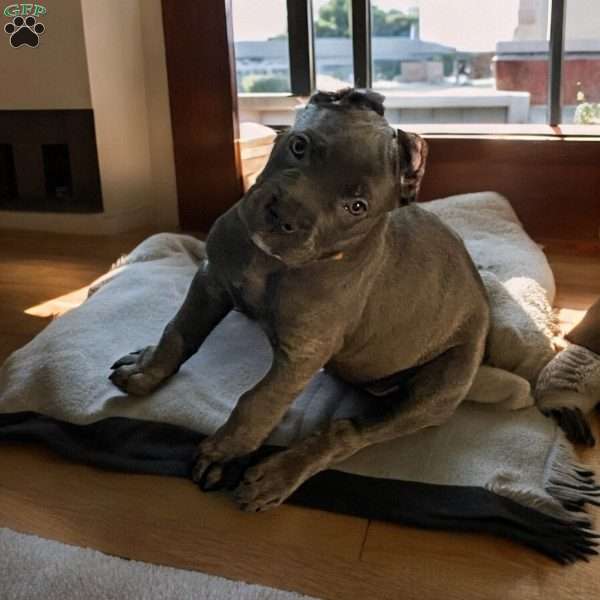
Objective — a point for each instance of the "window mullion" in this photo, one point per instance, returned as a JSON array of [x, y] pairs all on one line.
[[301, 44], [361, 43], [555, 64]]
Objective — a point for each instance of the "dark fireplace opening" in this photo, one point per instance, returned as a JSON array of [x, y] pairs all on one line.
[[57, 170], [8, 174], [49, 161]]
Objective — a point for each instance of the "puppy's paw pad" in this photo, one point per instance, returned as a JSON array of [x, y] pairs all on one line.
[[259, 506], [262, 490], [209, 477], [129, 359], [253, 475], [133, 374], [130, 380]]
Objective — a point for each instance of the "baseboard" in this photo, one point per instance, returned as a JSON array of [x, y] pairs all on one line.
[[83, 224]]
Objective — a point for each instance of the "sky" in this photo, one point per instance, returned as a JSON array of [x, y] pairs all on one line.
[[471, 25]]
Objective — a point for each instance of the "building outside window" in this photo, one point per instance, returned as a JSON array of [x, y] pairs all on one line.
[[466, 61]]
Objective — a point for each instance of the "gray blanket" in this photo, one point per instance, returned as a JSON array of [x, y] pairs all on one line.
[[509, 472]]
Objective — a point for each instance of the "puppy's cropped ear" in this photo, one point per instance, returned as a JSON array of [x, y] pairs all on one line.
[[411, 158]]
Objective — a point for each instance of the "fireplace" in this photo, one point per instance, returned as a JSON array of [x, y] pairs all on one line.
[[49, 161]]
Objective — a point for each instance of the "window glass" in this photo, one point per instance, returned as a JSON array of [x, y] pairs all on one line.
[[581, 66], [465, 61], [333, 44], [261, 46]]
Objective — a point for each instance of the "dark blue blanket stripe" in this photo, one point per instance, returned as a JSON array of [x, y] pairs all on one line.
[[137, 446]]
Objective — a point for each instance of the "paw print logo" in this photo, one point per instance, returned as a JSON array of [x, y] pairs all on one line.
[[24, 32]]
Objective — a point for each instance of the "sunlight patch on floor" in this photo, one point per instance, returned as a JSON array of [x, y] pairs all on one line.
[[59, 305], [568, 318]]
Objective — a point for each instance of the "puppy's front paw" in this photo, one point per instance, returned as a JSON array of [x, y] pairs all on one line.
[[222, 457], [217, 462], [267, 484], [209, 469], [134, 375]]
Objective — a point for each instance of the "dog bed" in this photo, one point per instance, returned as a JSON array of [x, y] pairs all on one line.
[[506, 472]]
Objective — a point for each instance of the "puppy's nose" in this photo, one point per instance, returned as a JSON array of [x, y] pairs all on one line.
[[274, 217]]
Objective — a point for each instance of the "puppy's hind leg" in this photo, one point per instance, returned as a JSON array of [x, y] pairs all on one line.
[[500, 387]]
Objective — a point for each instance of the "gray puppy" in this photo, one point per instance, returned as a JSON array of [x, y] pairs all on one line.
[[327, 253]]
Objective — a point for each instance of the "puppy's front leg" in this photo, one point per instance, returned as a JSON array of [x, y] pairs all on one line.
[[205, 305], [435, 391], [258, 412]]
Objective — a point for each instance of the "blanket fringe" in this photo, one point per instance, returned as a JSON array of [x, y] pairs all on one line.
[[568, 486], [568, 481], [573, 485]]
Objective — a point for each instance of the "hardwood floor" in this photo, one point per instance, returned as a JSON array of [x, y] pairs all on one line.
[[168, 521]]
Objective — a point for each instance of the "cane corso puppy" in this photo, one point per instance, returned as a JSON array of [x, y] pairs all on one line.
[[327, 252]]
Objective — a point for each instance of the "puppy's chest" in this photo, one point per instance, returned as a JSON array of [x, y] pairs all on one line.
[[252, 292]]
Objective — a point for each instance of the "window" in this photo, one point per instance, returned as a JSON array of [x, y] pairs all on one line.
[[581, 66], [333, 44], [261, 46], [466, 61]]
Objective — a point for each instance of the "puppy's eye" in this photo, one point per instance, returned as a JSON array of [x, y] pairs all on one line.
[[357, 207], [298, 146]]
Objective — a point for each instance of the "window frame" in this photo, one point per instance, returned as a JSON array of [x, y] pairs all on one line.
[[549, 173], [302, 62]]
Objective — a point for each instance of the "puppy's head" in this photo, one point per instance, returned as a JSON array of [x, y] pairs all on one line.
[[331, 177]]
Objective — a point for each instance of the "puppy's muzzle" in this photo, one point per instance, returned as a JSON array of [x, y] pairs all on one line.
[[287, 216], [278, 221]]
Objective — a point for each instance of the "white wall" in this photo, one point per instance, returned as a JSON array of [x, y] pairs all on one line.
[[53, 75], [164, 188], [122, 43], [113, 39]]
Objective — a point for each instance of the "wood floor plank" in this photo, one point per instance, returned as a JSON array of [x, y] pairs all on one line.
[[10, 343], [575, 270], [455, 566], [21, 323], [37, 244], [166, 520], [577, 278], [575, 298], [140, 502]]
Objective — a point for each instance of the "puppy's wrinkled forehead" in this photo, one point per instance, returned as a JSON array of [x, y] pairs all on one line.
[[348, 126], [327, 108]]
